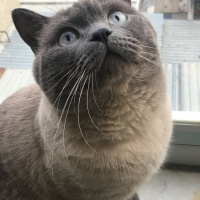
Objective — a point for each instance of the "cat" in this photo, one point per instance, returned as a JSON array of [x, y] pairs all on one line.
[[97, 124]]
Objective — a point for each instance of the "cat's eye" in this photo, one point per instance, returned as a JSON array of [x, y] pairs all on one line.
[[67, 38], [117, 18]]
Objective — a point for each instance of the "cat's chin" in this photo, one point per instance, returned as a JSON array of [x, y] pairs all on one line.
[[111, 54], [112, 57]]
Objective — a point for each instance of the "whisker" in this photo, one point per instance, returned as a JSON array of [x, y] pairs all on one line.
[[53, 148], [79, 115], [56, 75], [155, 63], [50, 114], [88, 108], [79, 80], [59, 81], [94, 94], [75, 107], [148, 47], [49, 8], [95, 77], [68, 81], [154, 56], [56, 7], [142, 62], [150, 54]]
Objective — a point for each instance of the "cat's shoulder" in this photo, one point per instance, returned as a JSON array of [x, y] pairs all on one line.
[[20, 108], [26, 98], [17, 114], [8, 188]]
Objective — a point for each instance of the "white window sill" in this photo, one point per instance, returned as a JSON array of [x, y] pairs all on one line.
[[186, 117]]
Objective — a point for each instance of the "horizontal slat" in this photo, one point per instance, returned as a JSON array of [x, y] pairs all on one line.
[[180, 41], [181, 33], [168, 48], [181, 22], [183, 58]]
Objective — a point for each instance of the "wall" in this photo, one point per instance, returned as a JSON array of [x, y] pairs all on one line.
[[171, 6], [146, 5], [6, 6]]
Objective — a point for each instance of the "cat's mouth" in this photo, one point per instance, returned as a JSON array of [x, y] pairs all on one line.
[[110, 54]]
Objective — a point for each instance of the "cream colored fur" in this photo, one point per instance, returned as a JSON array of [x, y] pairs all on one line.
[[136, 131]]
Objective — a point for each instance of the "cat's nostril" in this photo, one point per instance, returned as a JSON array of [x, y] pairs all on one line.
[[101, 35], [108, 33]]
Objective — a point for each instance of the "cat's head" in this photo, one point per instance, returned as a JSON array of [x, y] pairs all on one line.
[[95, 42]]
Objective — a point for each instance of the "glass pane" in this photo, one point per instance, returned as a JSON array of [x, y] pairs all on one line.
[[183, 85], [180, 49], [197, 9]]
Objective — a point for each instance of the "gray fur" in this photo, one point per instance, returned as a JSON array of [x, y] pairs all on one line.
[[102, 135]]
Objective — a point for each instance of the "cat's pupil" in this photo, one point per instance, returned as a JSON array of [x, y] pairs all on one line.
[[68, 38], [117, 17]]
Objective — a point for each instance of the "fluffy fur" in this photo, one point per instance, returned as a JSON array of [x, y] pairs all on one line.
[[98, 124]]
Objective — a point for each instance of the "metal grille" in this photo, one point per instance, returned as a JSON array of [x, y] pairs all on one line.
[[181, 41], [183, 86]]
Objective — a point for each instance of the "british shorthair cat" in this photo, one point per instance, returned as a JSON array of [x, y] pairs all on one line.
[[98, 123]]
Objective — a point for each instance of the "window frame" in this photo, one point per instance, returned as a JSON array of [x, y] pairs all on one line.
[[185, 144]]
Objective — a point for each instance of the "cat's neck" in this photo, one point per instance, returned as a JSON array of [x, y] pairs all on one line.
[[104, 118], [117, 126]]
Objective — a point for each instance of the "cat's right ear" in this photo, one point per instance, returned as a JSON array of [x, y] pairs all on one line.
[[29, 25]]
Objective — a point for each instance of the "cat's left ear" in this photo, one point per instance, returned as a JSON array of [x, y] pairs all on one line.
[[128, 1], [29, 25]]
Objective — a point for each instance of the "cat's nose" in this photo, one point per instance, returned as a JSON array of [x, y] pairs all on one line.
[[101, 35]]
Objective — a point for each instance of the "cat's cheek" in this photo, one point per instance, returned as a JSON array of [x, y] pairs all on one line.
[[36, 70]]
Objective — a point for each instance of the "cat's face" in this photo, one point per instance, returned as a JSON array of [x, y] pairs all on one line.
[[95, 42]]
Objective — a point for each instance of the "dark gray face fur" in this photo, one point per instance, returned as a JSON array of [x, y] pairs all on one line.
[[128, 56]]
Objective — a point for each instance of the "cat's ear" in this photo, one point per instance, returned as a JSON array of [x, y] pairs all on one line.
[[128, 1], [29, 24]]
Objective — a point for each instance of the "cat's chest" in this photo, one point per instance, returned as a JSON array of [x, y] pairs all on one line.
[[104, 174]]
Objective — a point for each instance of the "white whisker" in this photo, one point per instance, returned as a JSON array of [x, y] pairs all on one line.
[[79, 115], [75, 91], [95, 77], [56, 75], [49, 8], [60, 122], [147, 46], [69, 80], [59, 81], [88, 108], [155, 63], [73, 74], [94, 94]]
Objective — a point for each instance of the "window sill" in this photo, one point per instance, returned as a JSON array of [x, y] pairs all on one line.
[[185, 145], [186, 117]]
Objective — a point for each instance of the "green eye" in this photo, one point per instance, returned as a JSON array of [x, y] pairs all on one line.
[[67, 38], [117, 18]]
